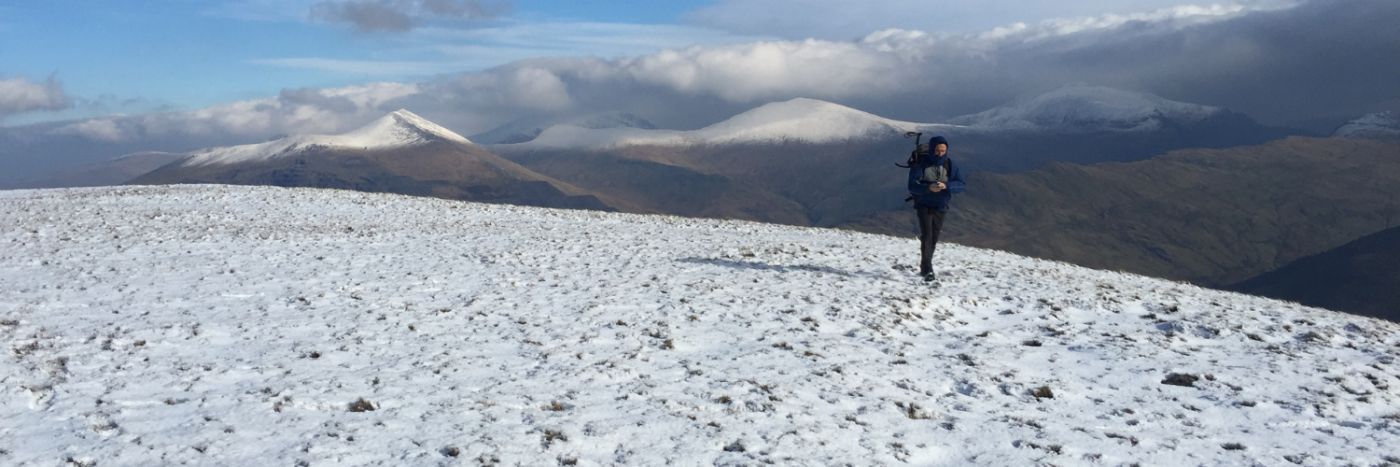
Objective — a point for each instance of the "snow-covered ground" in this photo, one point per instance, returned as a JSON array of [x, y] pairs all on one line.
[[269, 326]]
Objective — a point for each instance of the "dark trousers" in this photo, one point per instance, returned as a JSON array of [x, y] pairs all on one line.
[[930, 224]]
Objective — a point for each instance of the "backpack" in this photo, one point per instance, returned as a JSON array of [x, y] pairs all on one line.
[[916, 157], [920, 151]]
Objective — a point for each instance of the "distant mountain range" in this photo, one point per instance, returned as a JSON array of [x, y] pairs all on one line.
[[1381, 125], [1089, 109], [1090, 124], [399, 153], [1081, 124], [794, 121]]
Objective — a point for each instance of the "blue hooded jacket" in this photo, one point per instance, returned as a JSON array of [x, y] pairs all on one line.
[[918, 186]]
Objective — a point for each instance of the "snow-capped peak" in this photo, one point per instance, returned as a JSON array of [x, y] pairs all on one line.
[[1375, 125], [801, 119], [1082, 107], [797, 120], [397, 129]]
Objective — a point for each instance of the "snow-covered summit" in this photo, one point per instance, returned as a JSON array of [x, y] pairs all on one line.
[[398, 129], [1375, 125], [797, 120], [219, 325], [524, 130], [801, 119], [1080, 107]]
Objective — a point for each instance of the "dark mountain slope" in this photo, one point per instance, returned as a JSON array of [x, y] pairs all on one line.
[[1361, 277]]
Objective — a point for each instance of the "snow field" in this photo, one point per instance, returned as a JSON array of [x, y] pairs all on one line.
[[258, 325]]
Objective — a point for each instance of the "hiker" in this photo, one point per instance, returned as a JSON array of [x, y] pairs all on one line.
[[933, 178]]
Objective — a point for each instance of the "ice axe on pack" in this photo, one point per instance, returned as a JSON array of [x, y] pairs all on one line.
[[918, 146]]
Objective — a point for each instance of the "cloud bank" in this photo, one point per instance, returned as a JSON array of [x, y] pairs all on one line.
[[19, 95], [1315, 65], [294, 111], [842, 19]]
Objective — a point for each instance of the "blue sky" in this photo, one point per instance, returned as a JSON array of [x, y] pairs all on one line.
[[130, 57]]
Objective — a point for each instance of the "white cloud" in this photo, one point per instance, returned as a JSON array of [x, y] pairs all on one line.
[[359, 67], [294, 112], [18, 95], [766, 70], [104, 129], [527, 88], [441, 50], [1177, 16], [481, 48]]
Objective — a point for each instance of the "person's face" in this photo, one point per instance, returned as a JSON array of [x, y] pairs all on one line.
[[940, 150]]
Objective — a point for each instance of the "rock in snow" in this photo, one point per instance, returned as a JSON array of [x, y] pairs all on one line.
[[269, 326]]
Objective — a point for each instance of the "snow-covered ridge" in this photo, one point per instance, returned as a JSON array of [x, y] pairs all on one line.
[[807, 120], [398, 129], [521, 131], [1088, 108], [797, 120], [217, 325], [1375, 125]]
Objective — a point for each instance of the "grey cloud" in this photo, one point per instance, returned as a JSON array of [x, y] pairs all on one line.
[[19, 95], [365, 15], [1312, 66], [400, 15], [844, 19], [464, 8]]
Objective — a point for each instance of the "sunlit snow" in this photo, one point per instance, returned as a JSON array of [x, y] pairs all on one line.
[[267, 326]]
